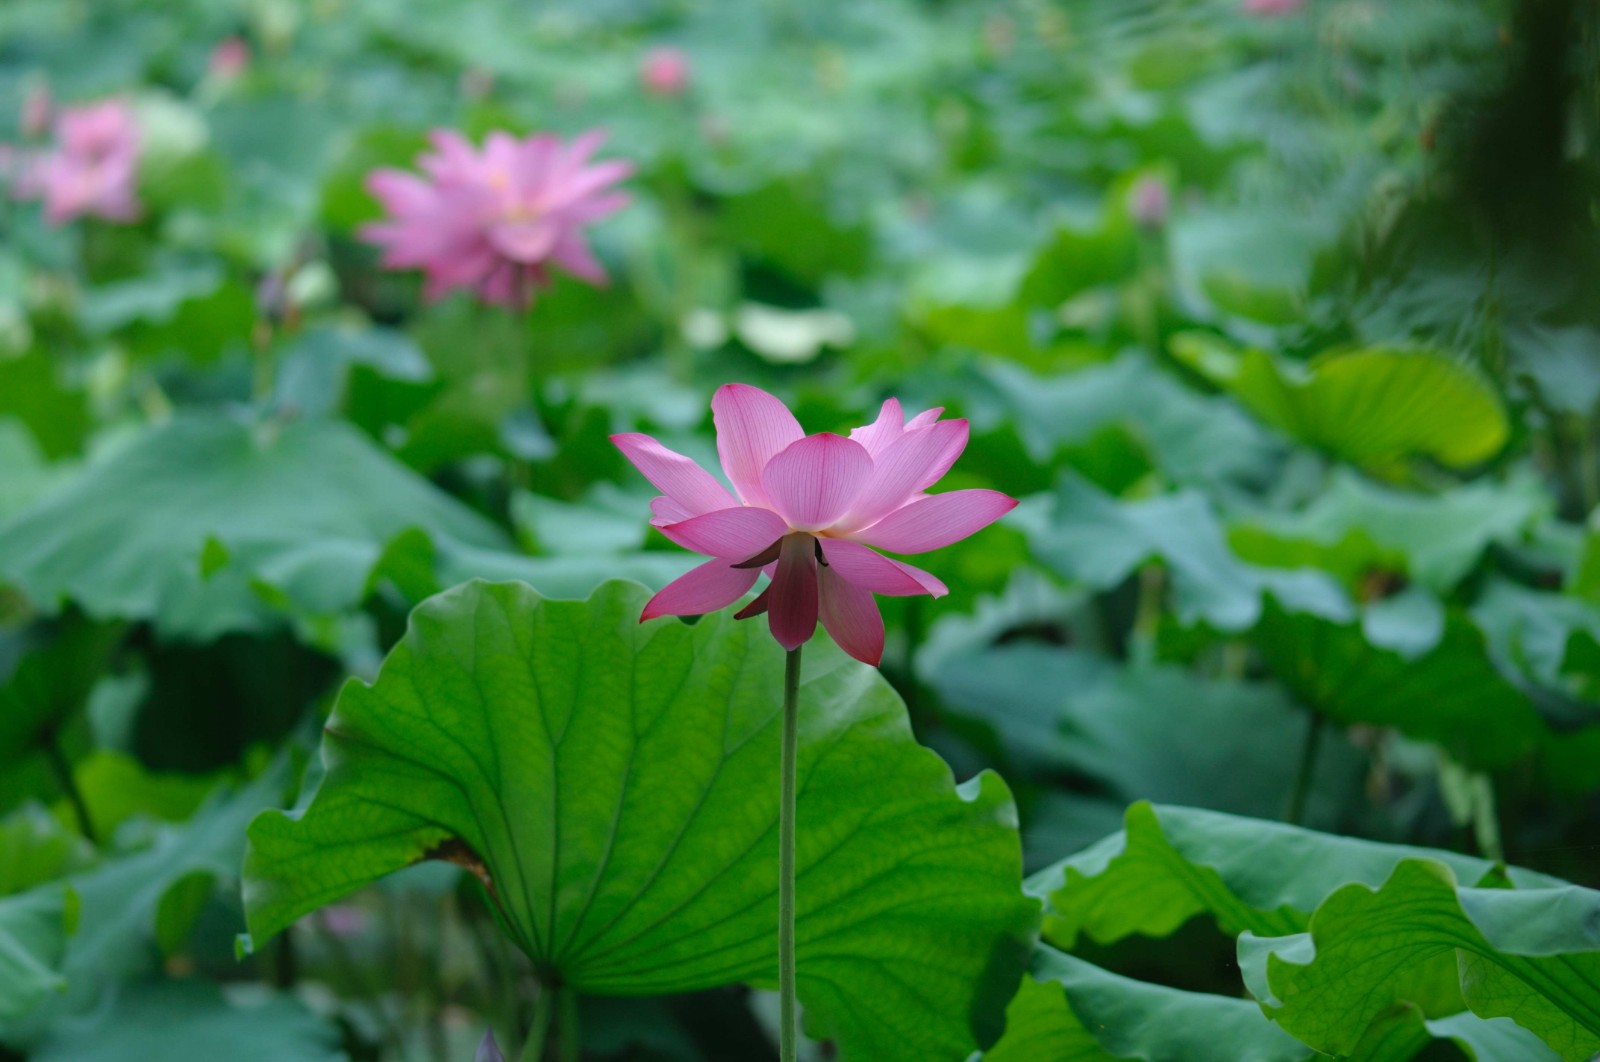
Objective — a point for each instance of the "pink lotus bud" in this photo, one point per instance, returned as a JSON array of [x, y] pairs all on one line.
[[1149, 202], [1269, 8], [665, 72], [36, 109], [229, 59]]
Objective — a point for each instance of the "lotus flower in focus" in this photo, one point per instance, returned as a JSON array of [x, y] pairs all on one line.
[[811, 511], [665, 72], [496, 220], [90, 169]]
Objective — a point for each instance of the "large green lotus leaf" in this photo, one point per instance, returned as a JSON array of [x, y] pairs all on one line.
[[1449, 692], [1171, 864], [1070, 1010], [1194, 438], [193, 1020], [1373, 407], [1531, 955], [1145, 732], [119, 902], [1098, 541], [1355, 526], [182, 524], [613, 785]]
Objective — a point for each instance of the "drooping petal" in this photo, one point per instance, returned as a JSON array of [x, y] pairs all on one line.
[[734, 534], [756, 607], [813, 481], [883, 431], [936, 521], [851, 616], [752, 427], [690, 487], [905, 468], [792, 597], [870, 570], [711, 586]]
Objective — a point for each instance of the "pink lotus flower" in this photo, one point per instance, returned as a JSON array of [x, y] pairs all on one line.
[[665, 72], [808, 510], [91, 168], [496, 220]]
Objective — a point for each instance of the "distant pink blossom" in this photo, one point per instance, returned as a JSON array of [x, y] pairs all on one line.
[[91, 167], [810, 511], [665, 72], [1272, 7], [229, 58], [36, 108], [1149, 202], [496, 220]]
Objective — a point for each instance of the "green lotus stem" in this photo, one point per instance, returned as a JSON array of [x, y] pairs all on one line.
[[539, 1031], [571, 1035], [788, 1033], [69, 785], [1308, 763]]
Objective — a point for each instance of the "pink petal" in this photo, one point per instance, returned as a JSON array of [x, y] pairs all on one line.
[[792, 597], [923, 419], [883, 431], [905, 467], [752, 427], [851, 616], [814, 481], [690, 487], [711, 586], [734, 534], [936, 521], [855, 563], [524, 241], [756, 607], [574, 256]]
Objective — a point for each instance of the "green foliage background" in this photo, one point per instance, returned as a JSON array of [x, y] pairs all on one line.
[[1281, 686]]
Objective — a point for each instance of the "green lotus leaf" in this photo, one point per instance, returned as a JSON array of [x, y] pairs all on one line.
[[1070, 1010], [1171, 864], [1531, 955], [612, 784], [1372, 407], [190, 520]]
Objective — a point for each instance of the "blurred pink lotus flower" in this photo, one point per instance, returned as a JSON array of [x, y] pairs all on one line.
[[1272, 7], [36, 108], [665, 72], [808, 511], [229, 58], [1149, 202], [91, 168], [496, 220]]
